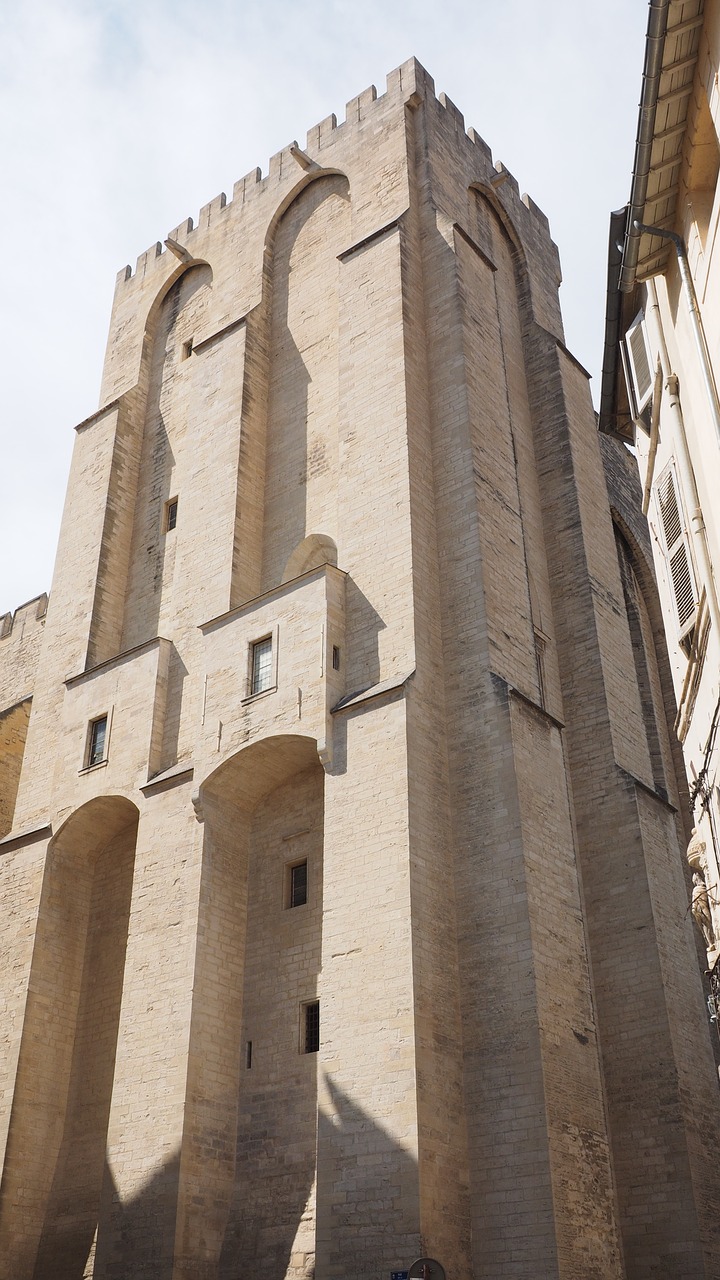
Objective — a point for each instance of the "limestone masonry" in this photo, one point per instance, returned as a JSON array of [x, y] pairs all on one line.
[[343, 910]]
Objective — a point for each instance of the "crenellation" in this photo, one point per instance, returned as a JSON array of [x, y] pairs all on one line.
[[147, 259], [410, 81], [212, 209], [320, 133], [480, 142], [181, 231], [21, 636], [536, 211], [504, 180], [244, 187], [10, 622], [453, 111], [356, 109], [281, 162], [410, 78]]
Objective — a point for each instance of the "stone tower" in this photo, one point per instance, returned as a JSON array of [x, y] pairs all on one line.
[[343, 910]]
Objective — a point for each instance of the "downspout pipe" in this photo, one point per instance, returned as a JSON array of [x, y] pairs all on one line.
[[695, 318]]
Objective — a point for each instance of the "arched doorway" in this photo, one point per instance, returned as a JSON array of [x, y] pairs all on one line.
[[59, 1124], [254, 1077]]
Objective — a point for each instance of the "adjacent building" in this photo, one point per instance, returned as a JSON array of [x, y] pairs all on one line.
[[343, 911], [660, 390]]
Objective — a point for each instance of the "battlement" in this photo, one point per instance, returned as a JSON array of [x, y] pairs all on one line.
[[32, 611], [21, 635], [409, 84]]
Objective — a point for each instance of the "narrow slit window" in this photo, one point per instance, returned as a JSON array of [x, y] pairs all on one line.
[[171, 510], [248, 1054], [97, 739], [311, 1027], [297, 896], [335, 658], [262, 666], [187, 349]]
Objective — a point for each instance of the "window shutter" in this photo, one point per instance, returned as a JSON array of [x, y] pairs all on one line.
[[639, 363], [676, 549], [682, 585]]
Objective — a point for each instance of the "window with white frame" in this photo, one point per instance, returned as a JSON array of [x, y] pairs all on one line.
[[638, 364]]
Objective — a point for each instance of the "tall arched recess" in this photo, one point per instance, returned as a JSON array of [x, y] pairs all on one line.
[[168, 458], [256, 973], [657, 707], [56, 1148], [302, 416], [494, 286]]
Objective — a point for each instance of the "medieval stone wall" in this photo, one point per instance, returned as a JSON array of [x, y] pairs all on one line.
[[352, 380]]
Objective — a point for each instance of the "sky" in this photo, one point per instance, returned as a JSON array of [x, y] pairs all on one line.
[[120, 118]]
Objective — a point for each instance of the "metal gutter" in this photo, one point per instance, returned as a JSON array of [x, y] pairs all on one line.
[[622, 262], [654, 49]]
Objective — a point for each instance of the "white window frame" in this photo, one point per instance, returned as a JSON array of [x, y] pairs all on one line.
[[637, 333]]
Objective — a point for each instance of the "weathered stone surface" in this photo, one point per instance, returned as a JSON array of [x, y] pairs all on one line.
[[385, 461]]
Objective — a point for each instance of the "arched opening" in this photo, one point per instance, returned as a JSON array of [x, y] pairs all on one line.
[[493, 284], [313, 552], [656, 712], [68, 1054], [303, 378], [263, 813], [167, 456]]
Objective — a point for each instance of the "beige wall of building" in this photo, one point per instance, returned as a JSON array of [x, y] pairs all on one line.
[[339, 588], [669, 321]]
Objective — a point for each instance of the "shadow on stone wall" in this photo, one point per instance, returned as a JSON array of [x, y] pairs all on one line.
[[367, 1213]]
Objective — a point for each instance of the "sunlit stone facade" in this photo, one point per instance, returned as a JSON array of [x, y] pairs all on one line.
[[343, 908]]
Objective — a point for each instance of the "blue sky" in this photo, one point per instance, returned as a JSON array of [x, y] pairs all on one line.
[[119, 119]]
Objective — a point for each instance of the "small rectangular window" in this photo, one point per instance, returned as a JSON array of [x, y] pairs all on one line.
[[261, 674], [248, 1054], [297, 887], [171, 510], [97, 738], [311, 1027], [336, 658], [187, 349]]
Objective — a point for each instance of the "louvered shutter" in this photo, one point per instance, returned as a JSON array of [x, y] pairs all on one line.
[[676, 549], [639, 363]]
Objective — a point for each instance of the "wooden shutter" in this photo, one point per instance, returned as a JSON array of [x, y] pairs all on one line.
[[677, 549]]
